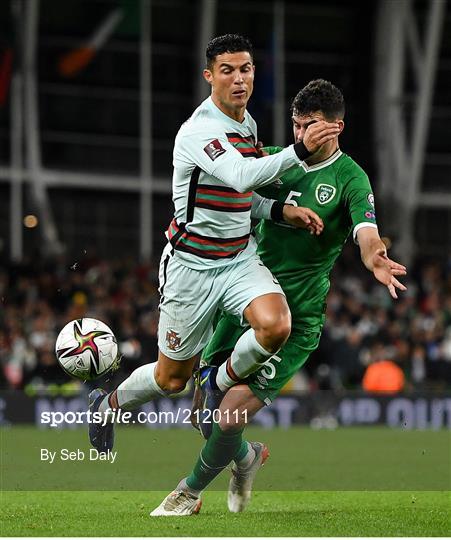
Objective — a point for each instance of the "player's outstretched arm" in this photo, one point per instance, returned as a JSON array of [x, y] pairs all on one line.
[[217, 157], [249, 174], [374, 256]]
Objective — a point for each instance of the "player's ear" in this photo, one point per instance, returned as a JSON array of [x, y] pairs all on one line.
[[341, 125], [208, 76]]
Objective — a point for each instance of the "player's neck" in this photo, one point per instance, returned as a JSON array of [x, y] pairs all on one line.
[[235, 113]]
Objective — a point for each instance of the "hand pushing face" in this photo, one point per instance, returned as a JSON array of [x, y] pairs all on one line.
[[315, 131]]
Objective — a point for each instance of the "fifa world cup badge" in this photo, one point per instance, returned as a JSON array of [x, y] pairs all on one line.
[[214, 149]]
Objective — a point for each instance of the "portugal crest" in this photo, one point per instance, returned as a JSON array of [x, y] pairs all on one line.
[[325, 193], [173, 340]]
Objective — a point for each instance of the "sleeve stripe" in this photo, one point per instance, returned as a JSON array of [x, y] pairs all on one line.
[[361, 226]]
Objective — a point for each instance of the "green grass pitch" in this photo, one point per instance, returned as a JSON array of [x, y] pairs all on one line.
[[348, 482]]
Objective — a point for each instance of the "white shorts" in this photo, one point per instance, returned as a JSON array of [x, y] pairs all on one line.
[[191, 298]]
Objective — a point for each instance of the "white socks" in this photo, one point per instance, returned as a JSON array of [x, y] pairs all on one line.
[[247, 356], [248, 458], [140, 387], [183, 486]]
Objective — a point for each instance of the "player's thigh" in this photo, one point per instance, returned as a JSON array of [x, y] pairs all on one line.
[[189, 300], [268, 381], [249, 280]]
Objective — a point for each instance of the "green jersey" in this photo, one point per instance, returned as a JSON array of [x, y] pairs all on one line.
[[339, 191]]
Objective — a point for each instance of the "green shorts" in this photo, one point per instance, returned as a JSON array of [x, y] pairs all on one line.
[[268, 381]]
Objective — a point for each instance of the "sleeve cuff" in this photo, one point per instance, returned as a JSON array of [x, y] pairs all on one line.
[[361, 226], [277, 211], [301, 151]]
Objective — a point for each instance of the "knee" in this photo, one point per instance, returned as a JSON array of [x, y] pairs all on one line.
[[281, 331], [231, 424], [235, 419], [172, 385], [274, 332]]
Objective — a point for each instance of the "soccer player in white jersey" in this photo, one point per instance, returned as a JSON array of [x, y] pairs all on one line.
[[210, 262]]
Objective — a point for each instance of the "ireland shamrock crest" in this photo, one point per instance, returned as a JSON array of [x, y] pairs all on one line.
[[325, 193]]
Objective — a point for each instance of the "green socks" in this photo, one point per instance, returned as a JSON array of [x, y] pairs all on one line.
[[219, 450]]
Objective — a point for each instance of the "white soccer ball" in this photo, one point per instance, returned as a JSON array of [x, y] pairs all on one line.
[[87, 349]]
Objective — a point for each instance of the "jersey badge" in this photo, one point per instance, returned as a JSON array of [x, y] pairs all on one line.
[[277, 183], [173, 340], [371, 199], [325, 193], [214, 149]]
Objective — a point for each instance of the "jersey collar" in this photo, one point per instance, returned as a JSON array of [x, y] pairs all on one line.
[[338, 153]]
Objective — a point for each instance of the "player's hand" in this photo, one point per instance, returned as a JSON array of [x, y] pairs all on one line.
[[319, 133], [385, 270], [303, 218], [260, 151]]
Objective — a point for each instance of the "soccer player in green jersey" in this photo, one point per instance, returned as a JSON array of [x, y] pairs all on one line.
[[334, 186]]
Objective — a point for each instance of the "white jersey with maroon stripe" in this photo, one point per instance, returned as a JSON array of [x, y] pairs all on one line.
[[215, 172]]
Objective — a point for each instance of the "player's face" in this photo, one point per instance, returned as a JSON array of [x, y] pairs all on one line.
[[302, 122], [232, 82], [300, 125]]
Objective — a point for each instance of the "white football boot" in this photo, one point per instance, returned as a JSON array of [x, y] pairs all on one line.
[[240, 486], [178, 503]]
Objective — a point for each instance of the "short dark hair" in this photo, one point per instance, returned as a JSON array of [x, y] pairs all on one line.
[[319, 95], [228, 43]]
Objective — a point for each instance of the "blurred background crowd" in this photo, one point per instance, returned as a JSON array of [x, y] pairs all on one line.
[[364, 326], [92, 93]]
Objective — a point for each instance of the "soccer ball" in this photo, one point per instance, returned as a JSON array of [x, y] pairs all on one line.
[[87, 349]]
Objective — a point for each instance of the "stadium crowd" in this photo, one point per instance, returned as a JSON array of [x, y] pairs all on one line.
[[364, 325]]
